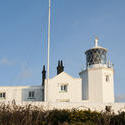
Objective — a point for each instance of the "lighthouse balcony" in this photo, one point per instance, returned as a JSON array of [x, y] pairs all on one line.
[[100, 65]]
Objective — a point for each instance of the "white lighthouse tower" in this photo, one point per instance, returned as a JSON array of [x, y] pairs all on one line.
[[97, 78]]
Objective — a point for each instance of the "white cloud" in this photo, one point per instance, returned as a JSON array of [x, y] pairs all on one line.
[[25, 73], [5, 61]]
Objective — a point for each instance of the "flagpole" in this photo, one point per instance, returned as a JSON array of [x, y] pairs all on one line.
[[48, 59]]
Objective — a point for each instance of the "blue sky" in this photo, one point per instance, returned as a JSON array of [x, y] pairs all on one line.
[[74, 24]]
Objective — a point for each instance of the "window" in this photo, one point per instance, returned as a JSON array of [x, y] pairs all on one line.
[[3, 95], [64, 88], [31, 94], [107, 78]]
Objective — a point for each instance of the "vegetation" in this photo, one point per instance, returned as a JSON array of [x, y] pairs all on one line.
[[32, 115]]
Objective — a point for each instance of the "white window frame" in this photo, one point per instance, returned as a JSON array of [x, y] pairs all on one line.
[[63, 88], [31, 94], [2, 95], [107, 78]]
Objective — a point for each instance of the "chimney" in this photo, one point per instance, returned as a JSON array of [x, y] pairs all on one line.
[[60, 67], [43, 82], [43, 76]]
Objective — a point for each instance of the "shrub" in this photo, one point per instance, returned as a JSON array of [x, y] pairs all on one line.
[[32, 115]]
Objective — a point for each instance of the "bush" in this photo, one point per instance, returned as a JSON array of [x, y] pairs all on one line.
[[32, 115]]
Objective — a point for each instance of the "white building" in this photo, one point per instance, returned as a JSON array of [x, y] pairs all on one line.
[[95, 84]]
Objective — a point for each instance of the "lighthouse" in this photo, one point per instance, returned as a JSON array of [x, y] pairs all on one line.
[[98, 77]]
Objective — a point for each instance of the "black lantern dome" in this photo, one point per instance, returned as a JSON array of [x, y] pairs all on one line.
[[96, 55]]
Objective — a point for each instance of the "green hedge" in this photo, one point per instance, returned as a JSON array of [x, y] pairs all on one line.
[[32, 115]]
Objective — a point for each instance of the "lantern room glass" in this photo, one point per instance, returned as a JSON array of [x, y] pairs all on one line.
[[96, 56]]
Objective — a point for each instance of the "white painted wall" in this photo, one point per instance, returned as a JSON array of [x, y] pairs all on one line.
[[36, 89], [108, 87], [20, 93], [56, 95], [94, 85], [91, 87], [84, 77]]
